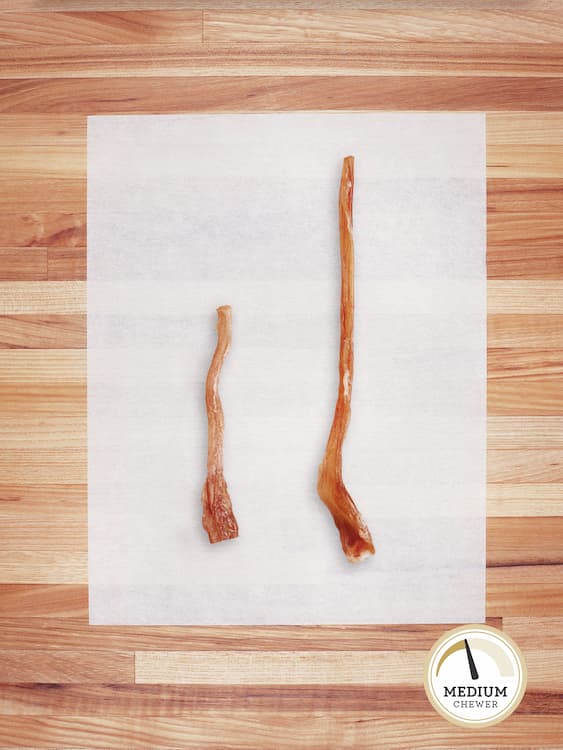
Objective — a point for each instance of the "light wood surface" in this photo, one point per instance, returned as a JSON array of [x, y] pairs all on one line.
[[66, 684]]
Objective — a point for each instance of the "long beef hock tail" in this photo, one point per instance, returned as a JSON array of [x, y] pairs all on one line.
[[218, 518], [355, 536]]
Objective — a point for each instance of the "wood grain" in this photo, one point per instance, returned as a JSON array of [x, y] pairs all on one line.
[[36, 298], [524, 541], [23, 264], [523, 60], [42, 332], [41, 600], [512, 195], [66, 632], [519, 590], [529, 331], [38, 699], [66, 666], [66, 263], [43, 195], [530, 297], [42, 230], [129, 27], [525, 433], [279, 668], [380, 25], [524, 499], [273, 731], [529, 631], [148, 95], [326, 5], [65, 683], [45, 566], [543, 128]]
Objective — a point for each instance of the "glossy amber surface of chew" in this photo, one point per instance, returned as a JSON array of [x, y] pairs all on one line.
[[354, 534], [218, 517]]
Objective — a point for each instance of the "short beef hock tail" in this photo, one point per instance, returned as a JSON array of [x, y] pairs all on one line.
[[218, 517], [354, 534]]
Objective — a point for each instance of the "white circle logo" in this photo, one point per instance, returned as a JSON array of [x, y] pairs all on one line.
[[475, 676]]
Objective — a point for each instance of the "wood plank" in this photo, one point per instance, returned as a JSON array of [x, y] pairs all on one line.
[[535, 632], [57, 504], [39, 298], [541, 365], [535, 161], [21, 132], [279, 668], [24, 367], [514, 195], [43, 431], [44, 601], [525, 433], [524, 500], [63, 399], [518, 128], [176, 700], [42, 230], [23, 264], [55, 161], [45, 465], [529, 297], [129, 27], [42, 331], [519, 591], [526, 230], [524, 541], [529, 331], [545, 667], [201, 730], [43, 195], [525, 466], [43, 566], [328, 5], [467, 59], [516, 387], [22, 533], [67, 666], [272, 93], [538, 262], [312, 668], [519, 396], [66, 633], [367, 25], [66, 264]]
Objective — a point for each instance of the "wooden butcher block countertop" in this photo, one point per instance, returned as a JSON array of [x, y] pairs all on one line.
[[66, 684]]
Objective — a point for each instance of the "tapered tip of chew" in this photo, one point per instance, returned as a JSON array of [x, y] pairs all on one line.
[[348, 167], [224, 310], [360, 555]]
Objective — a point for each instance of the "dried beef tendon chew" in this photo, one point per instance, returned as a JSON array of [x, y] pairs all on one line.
[[354, 534], [218, 517]]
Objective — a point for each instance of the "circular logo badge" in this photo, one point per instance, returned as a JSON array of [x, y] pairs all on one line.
[[475, 676]]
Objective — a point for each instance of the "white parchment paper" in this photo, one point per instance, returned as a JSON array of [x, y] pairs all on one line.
[[189, 212]]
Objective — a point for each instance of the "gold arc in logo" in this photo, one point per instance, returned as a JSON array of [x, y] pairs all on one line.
[[493, 650]]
